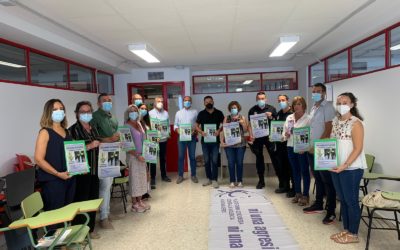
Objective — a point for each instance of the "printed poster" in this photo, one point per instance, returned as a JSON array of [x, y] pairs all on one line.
[[210, 130], [259, 125], [301, 140], [153, 135], [76, 157], [125, 137], [325, 154], [185, 132], [109, 160], [150, 151], [276, 131], [232, 133]]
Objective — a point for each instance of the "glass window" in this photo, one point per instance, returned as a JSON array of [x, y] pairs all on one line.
[[395, 46], [209, 84], [104, 83], [12, 63], [317, 73], [80, 78], [338, 66], [243, 83], [47, 71], [279, 81], [368, 56]]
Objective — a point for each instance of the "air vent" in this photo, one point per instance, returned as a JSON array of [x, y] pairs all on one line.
[[155, 75]]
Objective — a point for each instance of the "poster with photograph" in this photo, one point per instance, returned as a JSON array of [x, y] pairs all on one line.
[[276, 131], [76, 157], [109, 160], [210, 130], [185, 132], [150, 151], [290, 127], [325, 154], [125, 137], [164, 128], [155, 125], [153, 135], [259, 125], [232, 133], [301, 139]]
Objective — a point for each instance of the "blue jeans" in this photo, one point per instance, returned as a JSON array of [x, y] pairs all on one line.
[[191, 146], [300, 170], [347, 185], [105, 193], [210, 154], [235, 158]]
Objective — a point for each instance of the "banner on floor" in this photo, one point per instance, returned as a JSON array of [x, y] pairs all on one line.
[[246, 219]]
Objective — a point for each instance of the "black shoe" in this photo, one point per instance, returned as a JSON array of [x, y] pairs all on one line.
[[280, 190], [260, 185], [153, 184], [329, 219], [146, 196], [290, 194], [314, 209], [166, 179]]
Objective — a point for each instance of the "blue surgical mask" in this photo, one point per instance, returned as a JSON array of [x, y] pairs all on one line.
[[107, 106], [316, 97], [283, 105], [133, 116], [143, 112], [85, 117], [138, 102], [234, 111], [187, 104], [58, 115], [261, 103]]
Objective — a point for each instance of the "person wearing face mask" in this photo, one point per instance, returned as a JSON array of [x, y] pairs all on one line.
[[144, 116], [137, 100], [158, 112], [58, 187], [210, 115], [258, 143], [107, 126], [187, 115], [136, 162], [322, 114], [87, 184], [235, 153], [284, 174], [348, 129]]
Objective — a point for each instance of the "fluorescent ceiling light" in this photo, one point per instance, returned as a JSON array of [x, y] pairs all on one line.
[[239, 90], [142, 51], [11, 64], [285, 44], [247, 82], [396, 47]]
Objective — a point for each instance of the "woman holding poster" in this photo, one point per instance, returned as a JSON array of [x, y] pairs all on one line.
[[298, 161], [235, 153], [87, 184], [136, 162], [348, 129]]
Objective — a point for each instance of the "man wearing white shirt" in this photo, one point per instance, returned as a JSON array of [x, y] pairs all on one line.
[[186, 116], [159, 113]]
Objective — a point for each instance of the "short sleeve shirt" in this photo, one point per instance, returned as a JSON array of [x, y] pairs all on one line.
[[205, 117], [319, 116]]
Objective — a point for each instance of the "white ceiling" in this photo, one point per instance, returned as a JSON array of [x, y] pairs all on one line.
[[202, 33]]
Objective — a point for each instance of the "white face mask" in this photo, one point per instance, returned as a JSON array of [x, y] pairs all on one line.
[[159, 105], [343, 109]]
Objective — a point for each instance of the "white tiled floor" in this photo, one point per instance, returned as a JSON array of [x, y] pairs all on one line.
[[179, 220]]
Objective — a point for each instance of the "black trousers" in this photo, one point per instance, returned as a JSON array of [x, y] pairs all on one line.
[[87, 188], [163, 160], [284, 173], [257, 149]]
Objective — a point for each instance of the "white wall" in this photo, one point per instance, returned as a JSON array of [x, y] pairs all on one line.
[[21, 109]]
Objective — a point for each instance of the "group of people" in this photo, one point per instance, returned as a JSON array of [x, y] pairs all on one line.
[[292, 168]]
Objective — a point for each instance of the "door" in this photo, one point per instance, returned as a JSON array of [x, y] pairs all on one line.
[[173, 93]]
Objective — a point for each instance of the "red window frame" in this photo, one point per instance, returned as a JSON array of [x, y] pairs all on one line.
[[294, 84], [388, 65], [68, 62], [112, 81]]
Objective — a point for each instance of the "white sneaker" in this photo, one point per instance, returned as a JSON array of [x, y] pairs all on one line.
[[232, 185], [240, 185], [215, 184]]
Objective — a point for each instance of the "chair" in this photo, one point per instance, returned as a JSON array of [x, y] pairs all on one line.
[[33, 205], [121, 183], [370, 165]]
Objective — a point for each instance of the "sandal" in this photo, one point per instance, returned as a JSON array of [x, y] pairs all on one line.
[[338, 235], [347, 238]]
